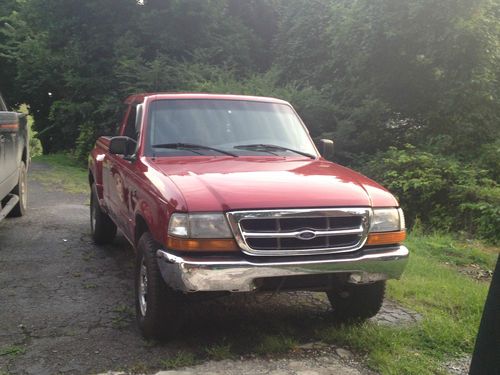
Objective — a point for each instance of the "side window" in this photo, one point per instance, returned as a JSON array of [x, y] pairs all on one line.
[[133, 125], [121, 118], [130, 129]]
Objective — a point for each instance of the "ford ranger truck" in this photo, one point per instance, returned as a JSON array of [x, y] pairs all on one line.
[[229, 194], [14, 158]]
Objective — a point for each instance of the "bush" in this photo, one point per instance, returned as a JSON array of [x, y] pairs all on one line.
[[85, 141], [490, 159], [443, 193], [35, 146]]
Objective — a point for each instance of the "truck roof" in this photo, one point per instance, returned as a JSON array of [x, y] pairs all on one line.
[[194, 95]]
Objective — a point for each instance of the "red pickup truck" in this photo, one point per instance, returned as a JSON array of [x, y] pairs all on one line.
[[229, 194]]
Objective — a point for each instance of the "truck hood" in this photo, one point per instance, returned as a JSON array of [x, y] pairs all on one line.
[[224, 184]]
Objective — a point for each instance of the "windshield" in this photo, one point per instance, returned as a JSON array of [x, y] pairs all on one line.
[[238, 127]]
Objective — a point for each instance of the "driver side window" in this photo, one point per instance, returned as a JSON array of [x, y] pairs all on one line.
[[131, 130], [133, 125]]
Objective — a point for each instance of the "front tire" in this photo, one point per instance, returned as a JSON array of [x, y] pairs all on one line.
[[102, 228], [21, 190], [356, 303], [159, 309]]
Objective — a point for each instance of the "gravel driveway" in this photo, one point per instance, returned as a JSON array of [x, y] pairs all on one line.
[[66, 305]]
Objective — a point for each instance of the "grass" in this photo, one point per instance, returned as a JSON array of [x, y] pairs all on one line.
[[446, 249], [64, 173]]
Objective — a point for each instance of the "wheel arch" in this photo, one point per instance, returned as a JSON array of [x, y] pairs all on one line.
[[141, 227]]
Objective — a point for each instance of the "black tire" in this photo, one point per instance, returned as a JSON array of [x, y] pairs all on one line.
[[355, 303], [102, 228], [21, 190], [159, 309]]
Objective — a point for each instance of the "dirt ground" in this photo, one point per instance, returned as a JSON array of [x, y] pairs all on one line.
[[67, 306]]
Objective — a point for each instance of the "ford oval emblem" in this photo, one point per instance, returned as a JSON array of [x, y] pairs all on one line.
[[306, 235]]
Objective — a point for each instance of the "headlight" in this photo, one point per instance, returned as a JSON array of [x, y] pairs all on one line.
[[199, 226], [387, 220]]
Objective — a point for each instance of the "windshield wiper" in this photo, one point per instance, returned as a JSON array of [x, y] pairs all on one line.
[[191, 147], [267, 147]]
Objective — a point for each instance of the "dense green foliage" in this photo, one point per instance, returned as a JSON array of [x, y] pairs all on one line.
[[373, 74], [441, 191]]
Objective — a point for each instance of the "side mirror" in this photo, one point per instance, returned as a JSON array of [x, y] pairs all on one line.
[[9, 122], [326, 148], [122, 146]]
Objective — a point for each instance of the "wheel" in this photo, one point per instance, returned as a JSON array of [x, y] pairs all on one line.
[[101, 226], [159, 309], [21, 190], [354, 303]]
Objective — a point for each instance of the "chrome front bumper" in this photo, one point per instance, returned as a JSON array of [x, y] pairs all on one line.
[[195, 274]]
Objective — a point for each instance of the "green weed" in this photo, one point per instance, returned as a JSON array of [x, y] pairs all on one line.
[[123, 316], [12, 350], [138, 368], [89, 286], [275, 344], [220, 351], [181, 359]]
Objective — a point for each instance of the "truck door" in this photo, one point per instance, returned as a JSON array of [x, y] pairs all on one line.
[[130, 174], [118, 178], [107, 179]]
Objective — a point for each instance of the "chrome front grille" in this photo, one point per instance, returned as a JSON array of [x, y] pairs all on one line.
[[300, 231]]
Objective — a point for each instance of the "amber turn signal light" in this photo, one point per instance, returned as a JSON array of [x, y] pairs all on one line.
[[189, 244], [9, 126], [386, 238]]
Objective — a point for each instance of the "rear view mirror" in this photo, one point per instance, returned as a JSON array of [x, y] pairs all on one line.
[[9, 122], [122, 146], [326, 148]]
